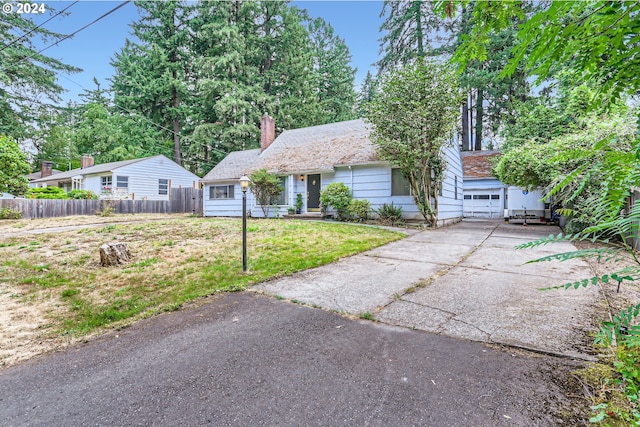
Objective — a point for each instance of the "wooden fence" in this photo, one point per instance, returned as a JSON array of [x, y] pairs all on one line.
[[182, 200], [634, 239]]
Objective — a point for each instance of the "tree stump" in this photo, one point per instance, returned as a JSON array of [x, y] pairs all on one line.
[[114, 254]]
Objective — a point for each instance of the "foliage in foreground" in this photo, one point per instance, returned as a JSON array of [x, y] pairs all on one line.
[[615, 222], [8, 213], [594, 39], [175, 261]]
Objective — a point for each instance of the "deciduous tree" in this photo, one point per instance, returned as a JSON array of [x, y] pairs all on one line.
[[13, 168], [414, 116], [266, 188]]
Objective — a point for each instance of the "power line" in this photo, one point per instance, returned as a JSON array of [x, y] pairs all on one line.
[[68, 36], [39, 26]]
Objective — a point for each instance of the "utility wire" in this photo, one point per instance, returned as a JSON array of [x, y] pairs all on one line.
[[39, 26], [68, 36]]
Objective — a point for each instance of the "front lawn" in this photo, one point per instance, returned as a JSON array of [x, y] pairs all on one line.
[[174, 261]]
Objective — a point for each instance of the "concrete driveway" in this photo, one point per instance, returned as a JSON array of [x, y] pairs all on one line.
[[467, 281]]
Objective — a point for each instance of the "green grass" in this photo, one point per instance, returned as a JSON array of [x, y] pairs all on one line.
[[174, 262], [367, 316]]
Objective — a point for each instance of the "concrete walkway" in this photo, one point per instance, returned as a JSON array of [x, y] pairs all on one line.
[[466, 281]]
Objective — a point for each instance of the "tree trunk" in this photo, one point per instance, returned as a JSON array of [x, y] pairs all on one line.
[[479, 120], [114, 254], [465, 126], [177, 153]]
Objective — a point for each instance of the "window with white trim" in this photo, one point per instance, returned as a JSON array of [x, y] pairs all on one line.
[[221, 192], [106, 183], [163, 187], [122, 182]]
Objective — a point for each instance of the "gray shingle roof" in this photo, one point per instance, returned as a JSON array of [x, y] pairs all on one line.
[[36, 175], [233, 166], [311, 149], [103, 167]]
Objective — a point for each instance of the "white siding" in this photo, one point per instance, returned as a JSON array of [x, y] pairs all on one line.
[[92, 183], [371, 182], [225, 207], [450, 203], [144, 176]]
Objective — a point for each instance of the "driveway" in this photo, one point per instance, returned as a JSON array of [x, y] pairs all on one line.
[[467, 281], [246, 359]]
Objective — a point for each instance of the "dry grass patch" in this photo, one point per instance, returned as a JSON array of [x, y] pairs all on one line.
[[57, 278]]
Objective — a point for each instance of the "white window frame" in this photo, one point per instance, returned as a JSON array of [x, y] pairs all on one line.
[[120, 180], [163, 187], [229, 192]]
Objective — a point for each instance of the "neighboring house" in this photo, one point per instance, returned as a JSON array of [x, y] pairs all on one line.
[[149, 178], [307, 160], [45, 171], [484, 194]]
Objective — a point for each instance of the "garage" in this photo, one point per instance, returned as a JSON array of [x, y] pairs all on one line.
[[483, 203], [483, 194]]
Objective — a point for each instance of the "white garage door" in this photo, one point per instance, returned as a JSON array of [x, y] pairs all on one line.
[[485, 203]]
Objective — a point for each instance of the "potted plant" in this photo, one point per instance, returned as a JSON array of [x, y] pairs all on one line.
[[291, 210], [299, 203]]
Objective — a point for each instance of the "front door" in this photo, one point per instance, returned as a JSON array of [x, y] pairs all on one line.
[[313, 193]]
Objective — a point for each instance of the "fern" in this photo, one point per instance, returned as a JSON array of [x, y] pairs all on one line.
[[584, 253], [621, 327]]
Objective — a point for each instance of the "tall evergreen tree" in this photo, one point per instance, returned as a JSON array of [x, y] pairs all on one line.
[[366, 94], [415, 29], [151, 76], [27, 78], [335, 77]]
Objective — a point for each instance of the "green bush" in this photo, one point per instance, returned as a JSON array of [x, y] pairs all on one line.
[[338, 196], [47, 193], [359, 209], [8, 213], [389, 214], [82, 195]]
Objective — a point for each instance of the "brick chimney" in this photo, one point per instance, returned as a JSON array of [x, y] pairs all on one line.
[[267, 131], [86, 161], [46, 169]]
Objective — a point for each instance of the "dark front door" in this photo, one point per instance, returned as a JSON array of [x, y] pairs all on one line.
[[313, 192]]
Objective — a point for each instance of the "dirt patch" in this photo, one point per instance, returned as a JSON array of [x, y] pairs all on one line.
[[23, 328]]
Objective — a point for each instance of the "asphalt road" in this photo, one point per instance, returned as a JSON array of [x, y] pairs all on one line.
[[247, 359]]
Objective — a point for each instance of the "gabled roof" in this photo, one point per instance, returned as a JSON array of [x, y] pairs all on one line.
[[320, 148], [101, 168], [233, 166], [311, 149], [477, 164]]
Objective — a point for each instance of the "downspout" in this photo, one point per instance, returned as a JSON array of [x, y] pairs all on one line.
[[351, 178]]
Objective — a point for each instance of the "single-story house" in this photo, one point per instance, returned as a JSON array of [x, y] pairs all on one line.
[[149, 178], [307, 160], [484, 195]]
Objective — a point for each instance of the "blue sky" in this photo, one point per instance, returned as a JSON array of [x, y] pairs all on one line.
[[92, 49]]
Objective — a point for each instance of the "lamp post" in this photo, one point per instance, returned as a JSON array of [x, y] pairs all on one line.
[[244, 185]]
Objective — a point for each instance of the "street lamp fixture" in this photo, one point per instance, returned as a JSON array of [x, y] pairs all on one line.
[[244, 185]]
